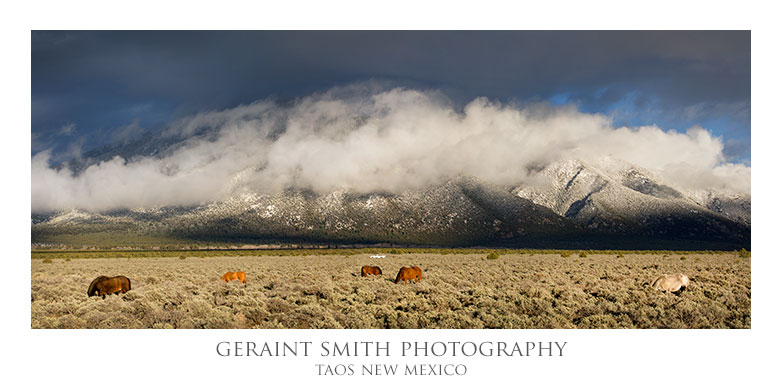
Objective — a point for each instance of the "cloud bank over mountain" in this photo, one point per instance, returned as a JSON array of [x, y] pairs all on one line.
[[373, 139]]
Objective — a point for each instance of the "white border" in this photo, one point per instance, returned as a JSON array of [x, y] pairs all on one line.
[[609, 358]]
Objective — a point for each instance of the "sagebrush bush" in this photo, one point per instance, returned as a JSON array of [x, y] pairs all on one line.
[[744, 254], [456, 291], [493, 255], [47, 261]]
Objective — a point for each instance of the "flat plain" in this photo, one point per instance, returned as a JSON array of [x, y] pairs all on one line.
[[517, 290]]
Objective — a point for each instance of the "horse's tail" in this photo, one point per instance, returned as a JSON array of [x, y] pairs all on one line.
[[655, 283]]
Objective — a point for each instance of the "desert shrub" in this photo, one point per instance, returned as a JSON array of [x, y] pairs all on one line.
[[683, 258], [47, 261], [493, 256], [744, 253], [582, 254], [565, 254], [518, 291]]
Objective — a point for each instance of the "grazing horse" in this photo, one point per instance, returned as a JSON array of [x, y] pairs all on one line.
[[671, 283], [371, 270], [103, 285], [412, 273], [229, 276]]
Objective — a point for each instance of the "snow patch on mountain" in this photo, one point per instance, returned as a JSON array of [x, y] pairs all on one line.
[[612, 188]]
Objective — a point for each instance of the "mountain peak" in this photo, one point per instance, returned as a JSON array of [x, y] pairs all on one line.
[[565, 204]]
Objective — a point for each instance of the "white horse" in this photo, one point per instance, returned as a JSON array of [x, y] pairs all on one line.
[[671, 283]]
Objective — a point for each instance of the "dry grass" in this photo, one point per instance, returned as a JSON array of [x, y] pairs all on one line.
[[458, 291]]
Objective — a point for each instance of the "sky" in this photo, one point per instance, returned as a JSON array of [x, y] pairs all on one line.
[[536, 94]]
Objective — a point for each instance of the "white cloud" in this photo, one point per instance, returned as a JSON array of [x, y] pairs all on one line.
[[375, 140], [67, 129], [128, 132]]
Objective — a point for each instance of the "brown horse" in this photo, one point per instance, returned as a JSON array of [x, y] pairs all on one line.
[[103, 285], [371, 270], [229, 276], [412, 273]]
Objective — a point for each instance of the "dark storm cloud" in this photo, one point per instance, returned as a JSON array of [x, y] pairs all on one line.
[[195, 66], [107, 80]]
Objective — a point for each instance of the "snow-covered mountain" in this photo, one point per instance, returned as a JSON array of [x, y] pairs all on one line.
[[609, 204], [614, 193]]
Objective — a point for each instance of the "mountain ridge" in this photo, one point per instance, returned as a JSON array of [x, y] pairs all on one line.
[[608, 204]]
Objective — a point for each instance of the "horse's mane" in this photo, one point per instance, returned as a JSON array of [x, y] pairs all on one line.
[[92, 285]]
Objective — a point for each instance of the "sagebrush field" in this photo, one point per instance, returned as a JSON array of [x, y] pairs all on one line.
[[457, 291]]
